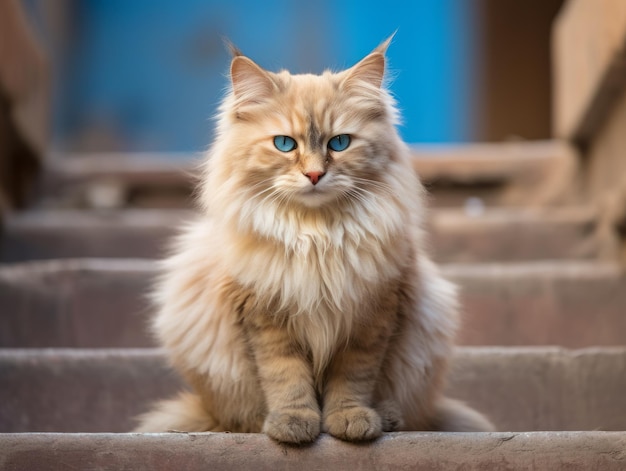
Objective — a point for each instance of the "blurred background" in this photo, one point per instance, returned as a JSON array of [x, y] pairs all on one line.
[[146, 75]]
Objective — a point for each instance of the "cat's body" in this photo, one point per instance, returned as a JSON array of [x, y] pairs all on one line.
[[301, 300]]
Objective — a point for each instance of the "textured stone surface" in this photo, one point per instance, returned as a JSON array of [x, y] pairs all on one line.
[[95, 303], [573, 304], [456, 235], [544, 388], [398, 451], [75, 303], [500, 174], [141, 179], [33, 235], [79, 390], [507, 235], [520, 389]]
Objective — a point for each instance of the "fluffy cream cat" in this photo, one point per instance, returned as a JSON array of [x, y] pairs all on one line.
[[301, 300]]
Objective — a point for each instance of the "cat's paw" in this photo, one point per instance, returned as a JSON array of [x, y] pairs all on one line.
[[390, 415], [293, 426], [354, 424]]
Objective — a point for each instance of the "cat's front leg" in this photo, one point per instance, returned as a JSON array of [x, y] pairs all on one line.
[[287, 380], [349, 389], [348, 412]]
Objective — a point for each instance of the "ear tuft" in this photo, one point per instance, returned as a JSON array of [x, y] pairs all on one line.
[[251, 84], [234, 50], [370, 70]]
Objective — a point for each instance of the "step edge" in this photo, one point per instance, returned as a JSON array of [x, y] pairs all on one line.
[[525, 450], [152, 352]]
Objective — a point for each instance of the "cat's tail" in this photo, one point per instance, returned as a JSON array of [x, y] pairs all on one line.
[[454, 416], [184, 413]]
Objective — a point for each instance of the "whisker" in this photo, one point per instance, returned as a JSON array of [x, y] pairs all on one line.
[[385, 187]]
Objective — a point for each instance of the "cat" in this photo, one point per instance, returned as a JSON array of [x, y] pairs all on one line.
[[302, 300]]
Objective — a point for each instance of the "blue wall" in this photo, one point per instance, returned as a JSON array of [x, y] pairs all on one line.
[[149, 73]]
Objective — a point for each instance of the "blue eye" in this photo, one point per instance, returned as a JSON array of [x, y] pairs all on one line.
[[339, 143], [285, 143]]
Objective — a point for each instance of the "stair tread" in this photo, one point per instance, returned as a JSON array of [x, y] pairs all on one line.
[[521, 389], [103, 303], [495, 234], [409, 450], [140, 216]]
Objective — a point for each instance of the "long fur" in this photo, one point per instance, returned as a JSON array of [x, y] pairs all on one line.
[[292, 307]]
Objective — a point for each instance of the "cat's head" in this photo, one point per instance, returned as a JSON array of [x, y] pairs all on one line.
[[306, 140]]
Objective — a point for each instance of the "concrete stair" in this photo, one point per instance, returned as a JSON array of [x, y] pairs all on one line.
[[102, 303], [498, 235], [571, 451], [103, 390], [543, 345]]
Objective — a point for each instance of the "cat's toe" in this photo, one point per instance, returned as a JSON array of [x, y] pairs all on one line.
[[298, 426], [354, 424]]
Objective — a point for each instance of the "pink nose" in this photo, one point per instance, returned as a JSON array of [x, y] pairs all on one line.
[[314, 176]]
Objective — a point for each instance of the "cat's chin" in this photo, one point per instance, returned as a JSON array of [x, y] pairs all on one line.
[[315, 198]]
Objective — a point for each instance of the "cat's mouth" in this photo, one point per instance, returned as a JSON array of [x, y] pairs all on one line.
[[316, 195]]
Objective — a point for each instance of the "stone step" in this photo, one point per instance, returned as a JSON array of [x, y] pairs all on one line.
[[456, 236], [497, 173], [523, 174], [554, 451], [47, 234], [96, 303], [76, 303], [571, 304], [509, 235], [521, 389]]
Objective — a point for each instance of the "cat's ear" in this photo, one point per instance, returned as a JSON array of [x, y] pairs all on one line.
[[371, 69], [251, 84], [382, 47]]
